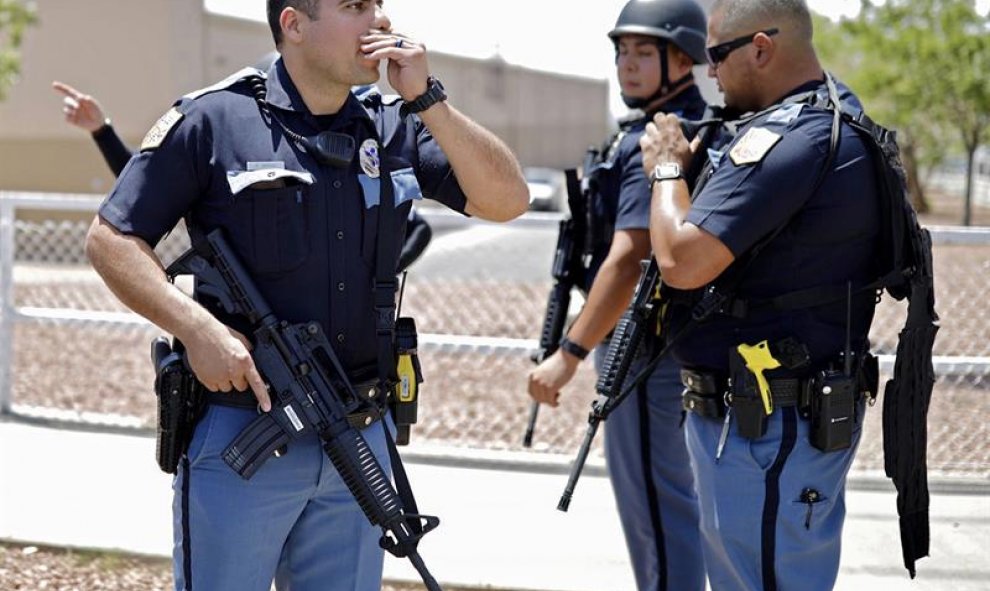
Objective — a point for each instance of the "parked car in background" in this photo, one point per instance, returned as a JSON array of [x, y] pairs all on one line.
[[547, 189]]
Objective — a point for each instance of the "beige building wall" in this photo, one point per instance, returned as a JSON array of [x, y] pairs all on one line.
[[132, 55], [231, 44], [138, 56], [547, 119]]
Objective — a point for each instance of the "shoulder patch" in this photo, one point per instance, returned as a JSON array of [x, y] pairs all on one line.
[[157, 134], [753, 146]]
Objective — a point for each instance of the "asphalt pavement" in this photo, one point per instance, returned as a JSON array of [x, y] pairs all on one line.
[[499, 525]]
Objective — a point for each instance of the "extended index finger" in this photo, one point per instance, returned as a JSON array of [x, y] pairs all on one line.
[[66, 90], [258, 387]]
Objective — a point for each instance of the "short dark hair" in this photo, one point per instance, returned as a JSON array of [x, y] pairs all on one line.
[[310, 8], [739, 16]]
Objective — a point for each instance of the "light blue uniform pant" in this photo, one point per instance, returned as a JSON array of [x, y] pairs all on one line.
[[651, 477], [294, 521], [758, 533]]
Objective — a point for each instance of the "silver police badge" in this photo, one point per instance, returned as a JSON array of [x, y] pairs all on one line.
[[370, 161]]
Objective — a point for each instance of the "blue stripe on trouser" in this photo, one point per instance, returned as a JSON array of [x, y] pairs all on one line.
[[294, 521], [646, 463], [733, 496], [186, 543], [771, 500], [654, 489]]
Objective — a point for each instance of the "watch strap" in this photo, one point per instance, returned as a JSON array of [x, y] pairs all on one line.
[[433, 95], [573, 348]]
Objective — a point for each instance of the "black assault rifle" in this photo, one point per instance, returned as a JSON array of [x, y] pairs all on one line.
[[622, 349], [311, 393], [569, 270], [640, 317]]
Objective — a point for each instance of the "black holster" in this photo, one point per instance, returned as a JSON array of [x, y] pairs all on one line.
[[747, 405], [180, 404]]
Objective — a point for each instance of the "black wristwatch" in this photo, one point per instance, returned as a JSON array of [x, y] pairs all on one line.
[[573, 348], [665, 171], [433, 95]]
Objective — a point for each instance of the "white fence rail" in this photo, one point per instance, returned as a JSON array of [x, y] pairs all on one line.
[[477, 337]]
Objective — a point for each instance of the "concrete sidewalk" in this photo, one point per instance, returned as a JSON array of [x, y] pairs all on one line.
[[499, 528]]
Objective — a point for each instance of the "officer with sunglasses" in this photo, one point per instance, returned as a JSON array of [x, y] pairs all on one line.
[[783, 209]]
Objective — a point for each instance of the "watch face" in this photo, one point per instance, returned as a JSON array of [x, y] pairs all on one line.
[[667, 170]]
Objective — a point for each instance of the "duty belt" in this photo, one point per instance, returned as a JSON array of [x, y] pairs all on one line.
[[706, 394], [367, 390]]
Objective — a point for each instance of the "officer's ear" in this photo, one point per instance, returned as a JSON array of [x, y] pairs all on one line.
[[291, 21], [764, 48], [679, 62]]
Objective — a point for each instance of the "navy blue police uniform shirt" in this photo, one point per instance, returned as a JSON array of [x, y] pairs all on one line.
[[306, 232], [763, 180], [622, 199]]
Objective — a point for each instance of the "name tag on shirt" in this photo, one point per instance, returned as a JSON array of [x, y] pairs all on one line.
[[260, 165]]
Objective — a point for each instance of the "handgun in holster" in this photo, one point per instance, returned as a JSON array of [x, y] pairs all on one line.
[[404, 402], [180, 403]]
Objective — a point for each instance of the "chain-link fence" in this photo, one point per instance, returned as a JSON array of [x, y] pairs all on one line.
[[70, 350]]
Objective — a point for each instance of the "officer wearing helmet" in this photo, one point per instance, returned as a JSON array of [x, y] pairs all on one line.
[[657, 43]]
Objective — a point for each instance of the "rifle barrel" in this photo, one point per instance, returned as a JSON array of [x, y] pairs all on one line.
[[578, 467], [534, 412]]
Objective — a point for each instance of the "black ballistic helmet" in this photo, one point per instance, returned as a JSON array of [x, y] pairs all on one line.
[[680, 22]]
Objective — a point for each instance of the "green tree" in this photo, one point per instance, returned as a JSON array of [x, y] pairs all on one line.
[[848, 53], [921, 67], [15, 17]]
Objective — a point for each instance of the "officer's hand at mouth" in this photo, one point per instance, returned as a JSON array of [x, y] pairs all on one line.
[[663, 141], [407, 65]]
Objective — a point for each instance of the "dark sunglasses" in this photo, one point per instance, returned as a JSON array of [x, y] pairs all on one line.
[[717, 53]]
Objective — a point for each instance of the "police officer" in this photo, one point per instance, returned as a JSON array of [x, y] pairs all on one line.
[[782, 211], [304, 221], [657, 42]]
